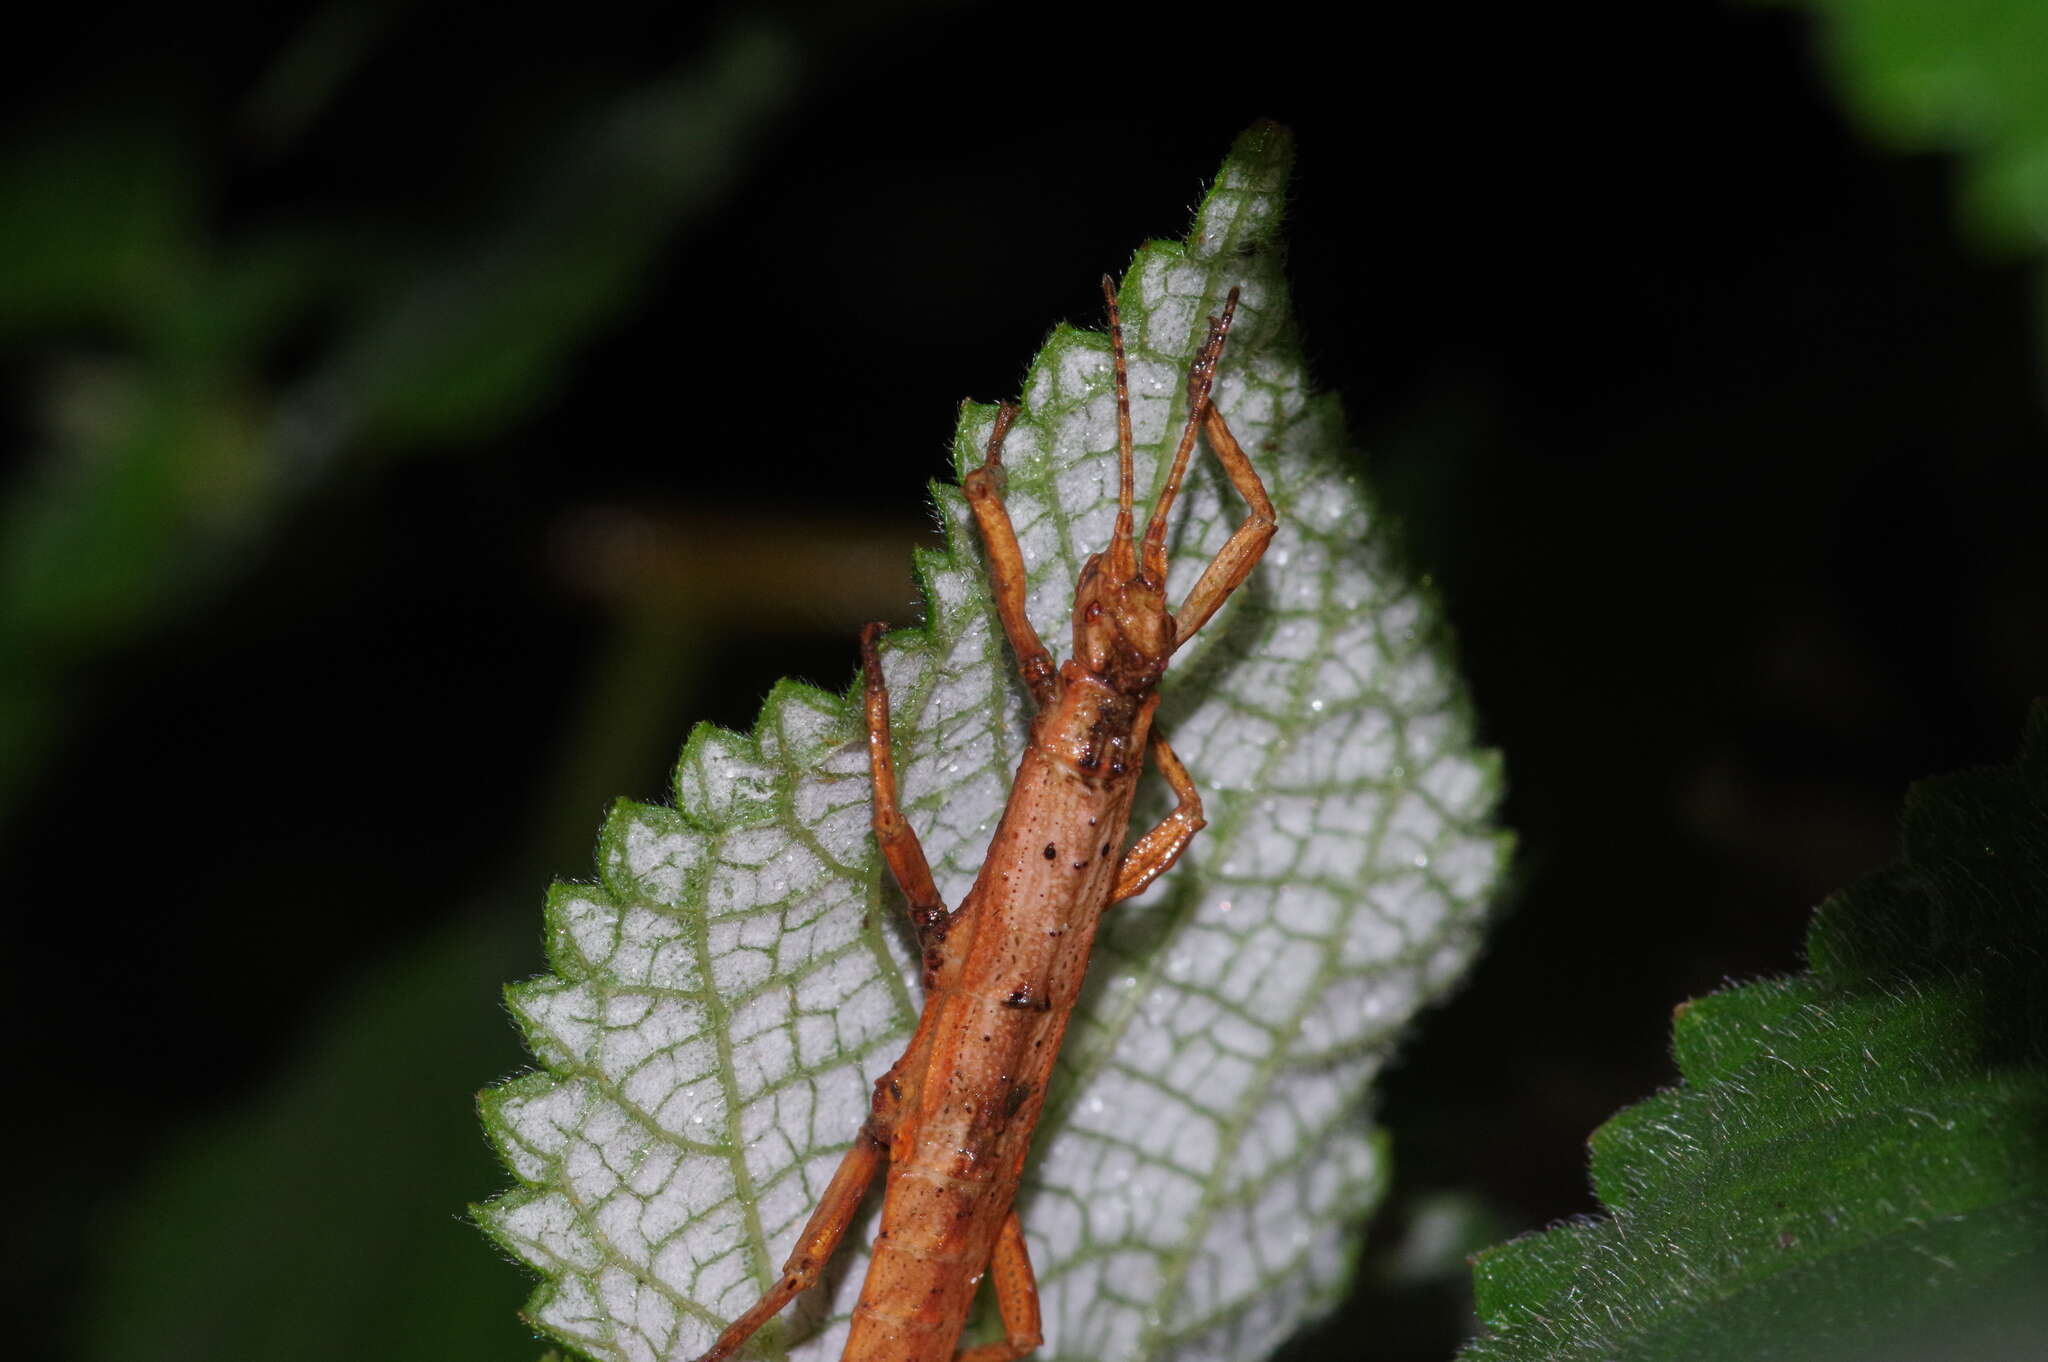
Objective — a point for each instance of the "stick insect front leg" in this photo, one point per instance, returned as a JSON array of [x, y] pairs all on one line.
[[1241, 553], [1154, 853], [1006, 565]]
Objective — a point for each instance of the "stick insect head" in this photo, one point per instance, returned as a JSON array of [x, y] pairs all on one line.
[[1123, 628]]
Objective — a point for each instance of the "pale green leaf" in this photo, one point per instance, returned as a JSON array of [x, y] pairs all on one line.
[[724, 998]]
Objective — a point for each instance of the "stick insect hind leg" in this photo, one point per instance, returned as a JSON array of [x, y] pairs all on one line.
[[1016, 1289], [814, 1247], [842, 1198]]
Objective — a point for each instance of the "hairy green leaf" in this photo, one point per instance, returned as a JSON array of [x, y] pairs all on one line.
[[1856, 1164], [724, 998]]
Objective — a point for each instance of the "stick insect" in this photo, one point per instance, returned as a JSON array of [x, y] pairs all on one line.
[[953, 1118]]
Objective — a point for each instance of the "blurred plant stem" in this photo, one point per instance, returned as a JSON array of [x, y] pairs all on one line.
[[673, 584]]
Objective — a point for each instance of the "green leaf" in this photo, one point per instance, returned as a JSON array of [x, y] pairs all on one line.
[[724, 998], [1856, 1163]]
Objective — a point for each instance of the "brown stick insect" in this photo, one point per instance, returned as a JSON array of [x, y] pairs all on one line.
[[953, 1118]]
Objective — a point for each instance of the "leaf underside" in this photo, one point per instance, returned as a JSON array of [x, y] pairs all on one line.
[[723, 999], [1856, 1164]]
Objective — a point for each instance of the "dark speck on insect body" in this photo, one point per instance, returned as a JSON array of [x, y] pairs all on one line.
[[1051, 852]]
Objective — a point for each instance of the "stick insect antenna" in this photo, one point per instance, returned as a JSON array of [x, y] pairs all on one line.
[[1201, 374], [1122, 560], [993, 454]]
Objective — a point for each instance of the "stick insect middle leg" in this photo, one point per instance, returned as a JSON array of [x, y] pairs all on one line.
[[1154, 854], [1247, 544], [842, 1197]]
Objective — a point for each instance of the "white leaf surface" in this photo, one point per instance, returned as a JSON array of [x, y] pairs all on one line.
[[724, 998]]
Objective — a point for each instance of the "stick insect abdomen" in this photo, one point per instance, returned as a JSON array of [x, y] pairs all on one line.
[[960, 1148]]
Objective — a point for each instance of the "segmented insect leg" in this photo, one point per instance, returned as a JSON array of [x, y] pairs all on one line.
[[1016, 1288], [1154, 853], [1201, 375], [893, 834], [1241, 553], [822, 1233], [984, 488]]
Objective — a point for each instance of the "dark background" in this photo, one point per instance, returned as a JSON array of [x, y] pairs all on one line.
[[1722, 445]]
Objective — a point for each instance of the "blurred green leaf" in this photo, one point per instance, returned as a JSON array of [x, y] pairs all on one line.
[[346, 1178], [323, 1222], [1961, 76], [468, 342], [100, 222], [166, 454]]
